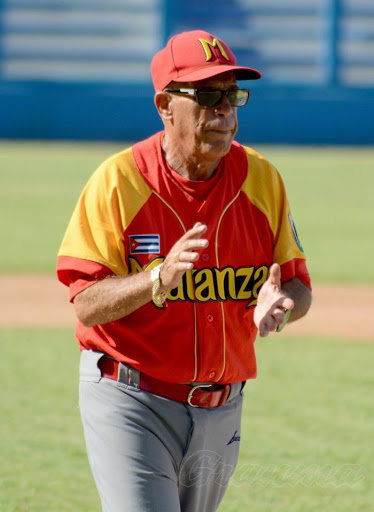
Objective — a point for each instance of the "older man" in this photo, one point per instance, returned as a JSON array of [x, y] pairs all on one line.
[[180, 250]]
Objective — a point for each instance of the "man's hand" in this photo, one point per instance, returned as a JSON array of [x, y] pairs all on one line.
[[271, 303], [182, 256], [113, 298]]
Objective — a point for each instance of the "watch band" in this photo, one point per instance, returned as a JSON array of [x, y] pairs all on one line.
[[157, 296]]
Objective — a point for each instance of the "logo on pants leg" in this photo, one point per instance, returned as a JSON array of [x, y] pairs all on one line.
[[234, 438]]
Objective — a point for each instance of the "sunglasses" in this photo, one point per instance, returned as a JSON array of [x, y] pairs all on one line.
[[213, 97]]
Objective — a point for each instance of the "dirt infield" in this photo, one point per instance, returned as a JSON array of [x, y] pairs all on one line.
[[338, 311]]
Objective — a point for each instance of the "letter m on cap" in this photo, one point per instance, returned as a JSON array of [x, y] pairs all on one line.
[[214, 44]]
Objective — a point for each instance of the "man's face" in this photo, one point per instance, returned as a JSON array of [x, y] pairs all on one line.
[[204, 133]]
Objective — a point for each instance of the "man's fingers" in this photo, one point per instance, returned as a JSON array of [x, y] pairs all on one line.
[[263, 331], [283, 306], [271, 323], [278, 315], [199, 226], [182, 266], [188, 256], [195, 232], [185, 251], [191, 245], [190, 242], [272, 304], [275, 275], [183, 255], [287, 303]]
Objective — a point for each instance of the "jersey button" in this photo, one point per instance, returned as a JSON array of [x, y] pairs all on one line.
[[210, 318], [212, 375], [205, 256]]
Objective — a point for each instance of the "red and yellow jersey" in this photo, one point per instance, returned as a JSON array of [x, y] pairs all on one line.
[[132, 211]]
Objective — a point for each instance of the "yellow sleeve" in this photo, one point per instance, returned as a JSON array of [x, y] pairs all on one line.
[[108, 204], [265, 189]]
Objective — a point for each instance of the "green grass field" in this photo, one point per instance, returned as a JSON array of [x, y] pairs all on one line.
[[330, 191], [307, 437]]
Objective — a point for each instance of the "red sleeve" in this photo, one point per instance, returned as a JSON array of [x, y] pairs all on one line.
[[79, 274], [296, 268]]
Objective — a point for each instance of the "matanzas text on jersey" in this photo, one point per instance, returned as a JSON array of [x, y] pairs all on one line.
[[212, 283]]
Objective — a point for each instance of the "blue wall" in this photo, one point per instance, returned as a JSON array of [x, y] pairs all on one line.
[[82, 112], [315, 103]]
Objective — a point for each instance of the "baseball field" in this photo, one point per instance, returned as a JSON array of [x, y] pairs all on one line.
[[307, 441]]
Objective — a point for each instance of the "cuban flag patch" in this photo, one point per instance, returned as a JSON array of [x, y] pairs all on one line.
[[144, 244]]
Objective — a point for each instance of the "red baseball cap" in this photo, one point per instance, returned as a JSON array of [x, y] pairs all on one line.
[[195, 55]]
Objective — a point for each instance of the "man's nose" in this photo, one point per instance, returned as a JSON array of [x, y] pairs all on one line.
[[224, 109]]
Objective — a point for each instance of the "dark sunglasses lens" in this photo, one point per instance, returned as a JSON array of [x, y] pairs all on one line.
[[209, 98], [238, 98]]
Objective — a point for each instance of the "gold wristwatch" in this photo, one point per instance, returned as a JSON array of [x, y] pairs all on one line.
[[157, 296]]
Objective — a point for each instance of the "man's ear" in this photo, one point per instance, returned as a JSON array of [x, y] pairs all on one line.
[[163, 105]]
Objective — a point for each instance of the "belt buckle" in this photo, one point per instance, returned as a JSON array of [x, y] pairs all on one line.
[[190, 394]]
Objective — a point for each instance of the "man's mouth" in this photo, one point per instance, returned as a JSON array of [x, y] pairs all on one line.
[[223, 131]]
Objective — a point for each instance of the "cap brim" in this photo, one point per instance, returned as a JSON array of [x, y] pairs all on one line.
[[241, 73]]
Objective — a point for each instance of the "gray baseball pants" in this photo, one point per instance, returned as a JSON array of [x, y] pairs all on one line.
[[152, 454]]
